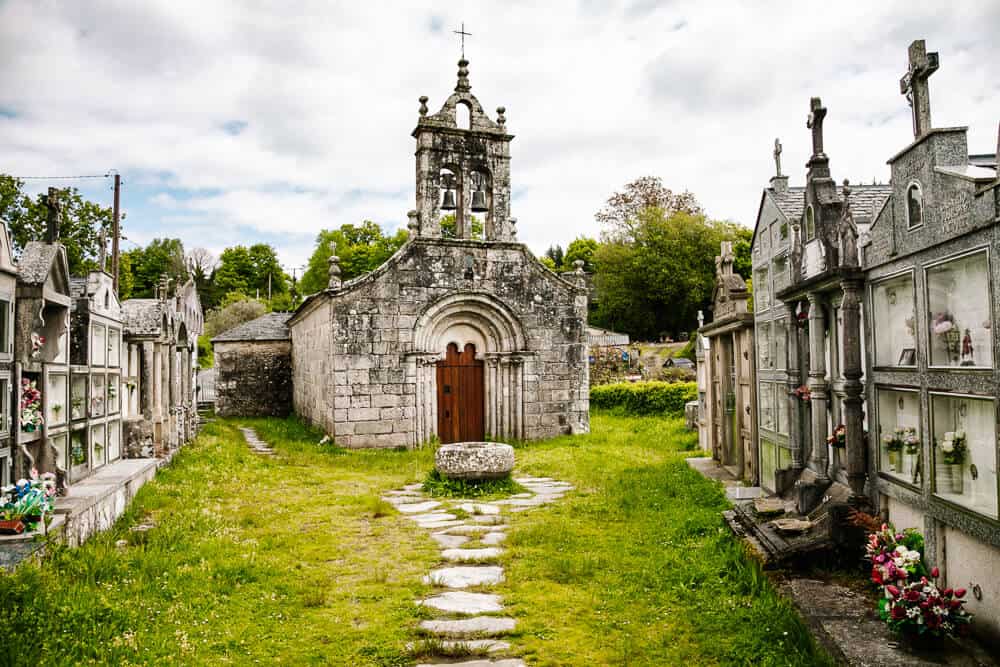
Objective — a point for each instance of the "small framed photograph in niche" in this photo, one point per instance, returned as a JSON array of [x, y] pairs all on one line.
[[908, 357]]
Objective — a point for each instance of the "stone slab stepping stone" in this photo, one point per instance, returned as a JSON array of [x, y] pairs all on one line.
[[523, 502], [471, 555], [529, 480], [418, 508], [432, 516], [419, 486], [460, 602], [465, 576], [522, 495], [467, 529], [449, 541], [493, 538], [437, 525], [489, 519], [508, 662], [488, 645], [478, 626], [479, 508]]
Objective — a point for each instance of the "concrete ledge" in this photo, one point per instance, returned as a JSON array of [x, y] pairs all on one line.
[[95, 503]]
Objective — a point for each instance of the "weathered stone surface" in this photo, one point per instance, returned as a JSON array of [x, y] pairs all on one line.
[[474, 460], [253, 378], [467, 529], [478, 626], [437, 525], [479, 508], [493, 538], [471, 555], [509, 662], [449, 541], [417, 508], [453, 646], [460, 602], [432, 516], [465, 576]]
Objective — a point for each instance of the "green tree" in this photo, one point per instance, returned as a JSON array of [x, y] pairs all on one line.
[[555, 253], [655, 282], [742, 262], [448, 227], [81, 222], [161, 257], [361, 249], [126, 281], [548, 263], [583, 248], [621, 212], [251, 270]]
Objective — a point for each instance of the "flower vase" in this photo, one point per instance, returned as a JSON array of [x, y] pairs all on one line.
[[894, 457], [950, 478], [910, 464]]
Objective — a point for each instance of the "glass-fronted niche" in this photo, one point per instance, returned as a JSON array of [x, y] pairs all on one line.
[[764, 345], [895, 324], [79, 454], [78, 396], [959, 314], [899, 434], [97, 397], [114, 348], [773, 456], [55, 403], [5, 317], [98, 348], [114, 441], [99, 446], [965, 449], [762, 290], [779, 332], [773, 401]]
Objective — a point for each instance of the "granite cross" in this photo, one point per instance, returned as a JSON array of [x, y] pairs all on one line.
[[777, 157], [817, 112], [914, 85], [54, 206], [464, 34]]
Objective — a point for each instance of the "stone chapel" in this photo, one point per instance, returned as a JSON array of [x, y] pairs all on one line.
[[462, 335]]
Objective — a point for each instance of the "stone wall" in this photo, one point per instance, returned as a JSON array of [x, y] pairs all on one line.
[[390, 327], [253, 378]]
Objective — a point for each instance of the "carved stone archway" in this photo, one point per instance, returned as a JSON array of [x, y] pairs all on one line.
[[499, 340]]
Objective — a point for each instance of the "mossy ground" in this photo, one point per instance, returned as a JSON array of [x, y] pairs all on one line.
[[295, 560]]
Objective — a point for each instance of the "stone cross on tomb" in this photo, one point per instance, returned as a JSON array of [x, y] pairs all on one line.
[[701, 319], [817, 112], [461, 31], [914, 85], [102, 251], [54, 207], [777, 158]]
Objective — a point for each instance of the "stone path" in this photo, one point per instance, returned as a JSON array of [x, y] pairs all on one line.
[[469, 618], [255, 442]]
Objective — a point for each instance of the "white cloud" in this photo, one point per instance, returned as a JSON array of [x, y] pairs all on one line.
[[325, 97]]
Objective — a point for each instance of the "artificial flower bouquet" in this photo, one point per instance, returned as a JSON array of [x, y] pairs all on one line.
[[920, 608], [838, 438], [954, 446], [895, 555], [31, 406], [949, 332], [32, 500]]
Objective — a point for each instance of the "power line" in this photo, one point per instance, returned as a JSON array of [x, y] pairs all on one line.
[[60, 178]]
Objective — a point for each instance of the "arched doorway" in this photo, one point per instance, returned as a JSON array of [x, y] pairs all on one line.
[[460, 395]]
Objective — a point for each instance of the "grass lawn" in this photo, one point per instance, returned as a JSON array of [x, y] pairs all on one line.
[[295, 560]]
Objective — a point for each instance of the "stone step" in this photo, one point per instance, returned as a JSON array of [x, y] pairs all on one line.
[[507, 662], [437, 525], [431, 517], [479, 508], [477, 626], [465, 576], [471, 555], [466, 529], [449, 541], [460, 602], [493, 538], [418, 508]]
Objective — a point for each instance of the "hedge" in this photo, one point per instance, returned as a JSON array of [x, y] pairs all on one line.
[[644, 398]]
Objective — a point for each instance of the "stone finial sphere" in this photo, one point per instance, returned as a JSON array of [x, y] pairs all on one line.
[[474, 460]]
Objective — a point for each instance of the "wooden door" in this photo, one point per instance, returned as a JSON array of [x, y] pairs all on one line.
[[460, 394]]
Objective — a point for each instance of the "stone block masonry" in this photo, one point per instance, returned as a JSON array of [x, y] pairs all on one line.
[[254, 378]]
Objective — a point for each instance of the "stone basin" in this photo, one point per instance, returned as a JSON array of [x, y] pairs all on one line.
[[474, 460]]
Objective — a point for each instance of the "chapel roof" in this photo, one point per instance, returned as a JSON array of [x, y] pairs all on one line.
[[272, 326], [865, 200], [36, 261]]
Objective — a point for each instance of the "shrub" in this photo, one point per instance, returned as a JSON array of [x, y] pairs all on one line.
[[645, 398]]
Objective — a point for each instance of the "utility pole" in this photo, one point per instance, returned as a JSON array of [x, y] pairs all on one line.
[[268, 285], [115, 232]]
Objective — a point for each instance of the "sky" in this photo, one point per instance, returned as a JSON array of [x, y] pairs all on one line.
[[233, 123]]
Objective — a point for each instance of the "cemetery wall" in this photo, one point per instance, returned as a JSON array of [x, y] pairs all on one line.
[[253, 378]]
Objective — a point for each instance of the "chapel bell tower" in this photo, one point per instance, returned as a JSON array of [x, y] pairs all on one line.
[[463, 167]]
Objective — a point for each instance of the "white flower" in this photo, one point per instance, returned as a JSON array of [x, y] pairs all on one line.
[[947, 446], [960, 435], [949, 435]]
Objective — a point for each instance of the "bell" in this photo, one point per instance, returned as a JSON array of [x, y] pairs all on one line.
[[479, 202], [448, 201]]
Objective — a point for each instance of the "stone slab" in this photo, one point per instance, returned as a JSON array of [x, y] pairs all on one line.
[[418, 508], [467, 529], [437, 525], [461, 602], [449, 541], [471, 555], [487, 519], [508, 662], [465, 576], [478, 626], [431, 517], [474, 460], [493, 538], [479, 508]]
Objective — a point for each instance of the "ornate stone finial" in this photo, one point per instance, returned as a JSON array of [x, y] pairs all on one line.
[[52, 221], [581, 277], [413, 223], [701, 319], [847, 191], [914, 85], [817, 112], [777, 158], [501, 119], [463, 85], [335, 281], [423, 105], [579, 264], [102, 251]]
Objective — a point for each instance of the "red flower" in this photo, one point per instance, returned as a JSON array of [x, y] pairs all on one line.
[[935, 572], [947, 592], [960, 592], [877, 576], [912, 596], [892, 591], [898, 613]]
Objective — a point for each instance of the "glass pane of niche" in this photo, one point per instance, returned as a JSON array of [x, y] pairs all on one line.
[[114, 441], [114, 348], [97, 442], [965, 465], [113, 394], [4, 405], [98, 349], [764, 345], [96, 395], [761, 294], [79, 454], [766, 402], [899, 435], [780, 334], [55, 400], [958, 298], [59, 444], [78, 396], [781, 407], [895, 322]]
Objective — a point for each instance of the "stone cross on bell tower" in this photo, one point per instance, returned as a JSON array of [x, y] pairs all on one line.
[[914, 85]]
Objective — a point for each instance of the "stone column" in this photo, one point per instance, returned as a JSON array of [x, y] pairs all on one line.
[[147, 381], [850, 309], [792, 382], [819, 460]]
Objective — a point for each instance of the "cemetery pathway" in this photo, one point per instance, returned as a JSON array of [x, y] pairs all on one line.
[[469, 532]]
